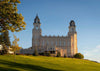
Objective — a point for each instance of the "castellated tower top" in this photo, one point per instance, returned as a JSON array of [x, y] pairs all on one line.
[[37, 20], [72, 23]]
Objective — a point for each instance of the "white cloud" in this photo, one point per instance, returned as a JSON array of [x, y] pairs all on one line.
[[93, 53], [98, 46]]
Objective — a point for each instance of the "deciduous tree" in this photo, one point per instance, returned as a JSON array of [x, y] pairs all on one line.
[[6, 38], [15, 45], [9, 18]]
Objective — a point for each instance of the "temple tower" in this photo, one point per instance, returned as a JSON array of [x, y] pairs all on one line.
[[36, 33], [72, 41]]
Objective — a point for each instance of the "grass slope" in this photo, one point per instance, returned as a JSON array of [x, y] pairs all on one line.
[[42, 63]]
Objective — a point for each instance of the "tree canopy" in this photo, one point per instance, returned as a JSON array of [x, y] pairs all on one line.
[[9, 18]]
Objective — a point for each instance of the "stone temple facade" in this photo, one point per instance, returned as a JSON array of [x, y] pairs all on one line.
[[66, 45]]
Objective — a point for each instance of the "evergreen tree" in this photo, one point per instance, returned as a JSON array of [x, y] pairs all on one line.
[[36, 52], [58, 54], [65, 55], [9, 18]]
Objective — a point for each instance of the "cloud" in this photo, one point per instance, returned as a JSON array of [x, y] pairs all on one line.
[[92, 53], [98, 46]]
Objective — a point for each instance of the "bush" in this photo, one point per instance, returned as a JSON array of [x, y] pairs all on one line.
[[44, 53], [41, 53], [79, 55], [58, 54], [65, 56], [48, 54]]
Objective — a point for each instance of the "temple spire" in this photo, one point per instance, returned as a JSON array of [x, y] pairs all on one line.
[[72, 23], [37, 20]]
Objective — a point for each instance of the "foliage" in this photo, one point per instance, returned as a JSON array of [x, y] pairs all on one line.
[[5, 38], [42, 63], [58, 54], [15, 45], [35, 52], [9, 18], [65, 55], [79, 55]]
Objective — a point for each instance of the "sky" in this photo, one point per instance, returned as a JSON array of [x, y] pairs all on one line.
[[55, 16]]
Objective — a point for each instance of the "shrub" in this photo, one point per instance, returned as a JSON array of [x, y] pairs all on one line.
[[65, 56], [58, 54], [79, 55], [41, 53], [48, 54], [44, 53]]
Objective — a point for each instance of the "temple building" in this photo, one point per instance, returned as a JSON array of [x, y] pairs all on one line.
[[66, 45]]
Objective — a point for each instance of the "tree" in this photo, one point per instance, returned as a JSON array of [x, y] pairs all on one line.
[[15, 45], [65, 56], [35, 52], [1, 39], [79, 55], [6, 38], [4, 50], [9, 18], [58, 54]]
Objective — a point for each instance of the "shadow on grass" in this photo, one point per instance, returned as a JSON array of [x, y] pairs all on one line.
[[7, 69], [27, 67]]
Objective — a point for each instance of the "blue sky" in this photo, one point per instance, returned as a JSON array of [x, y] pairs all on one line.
[[55, 16]]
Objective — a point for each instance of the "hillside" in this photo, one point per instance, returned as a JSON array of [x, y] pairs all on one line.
[[42, 63]]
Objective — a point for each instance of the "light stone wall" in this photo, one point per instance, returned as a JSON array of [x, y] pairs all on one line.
[[64, 44]]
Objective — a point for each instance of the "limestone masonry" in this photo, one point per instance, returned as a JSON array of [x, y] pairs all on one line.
[[66, 45]]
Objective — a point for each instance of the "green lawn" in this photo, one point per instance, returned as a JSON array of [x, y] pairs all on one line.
[[42, 63]]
